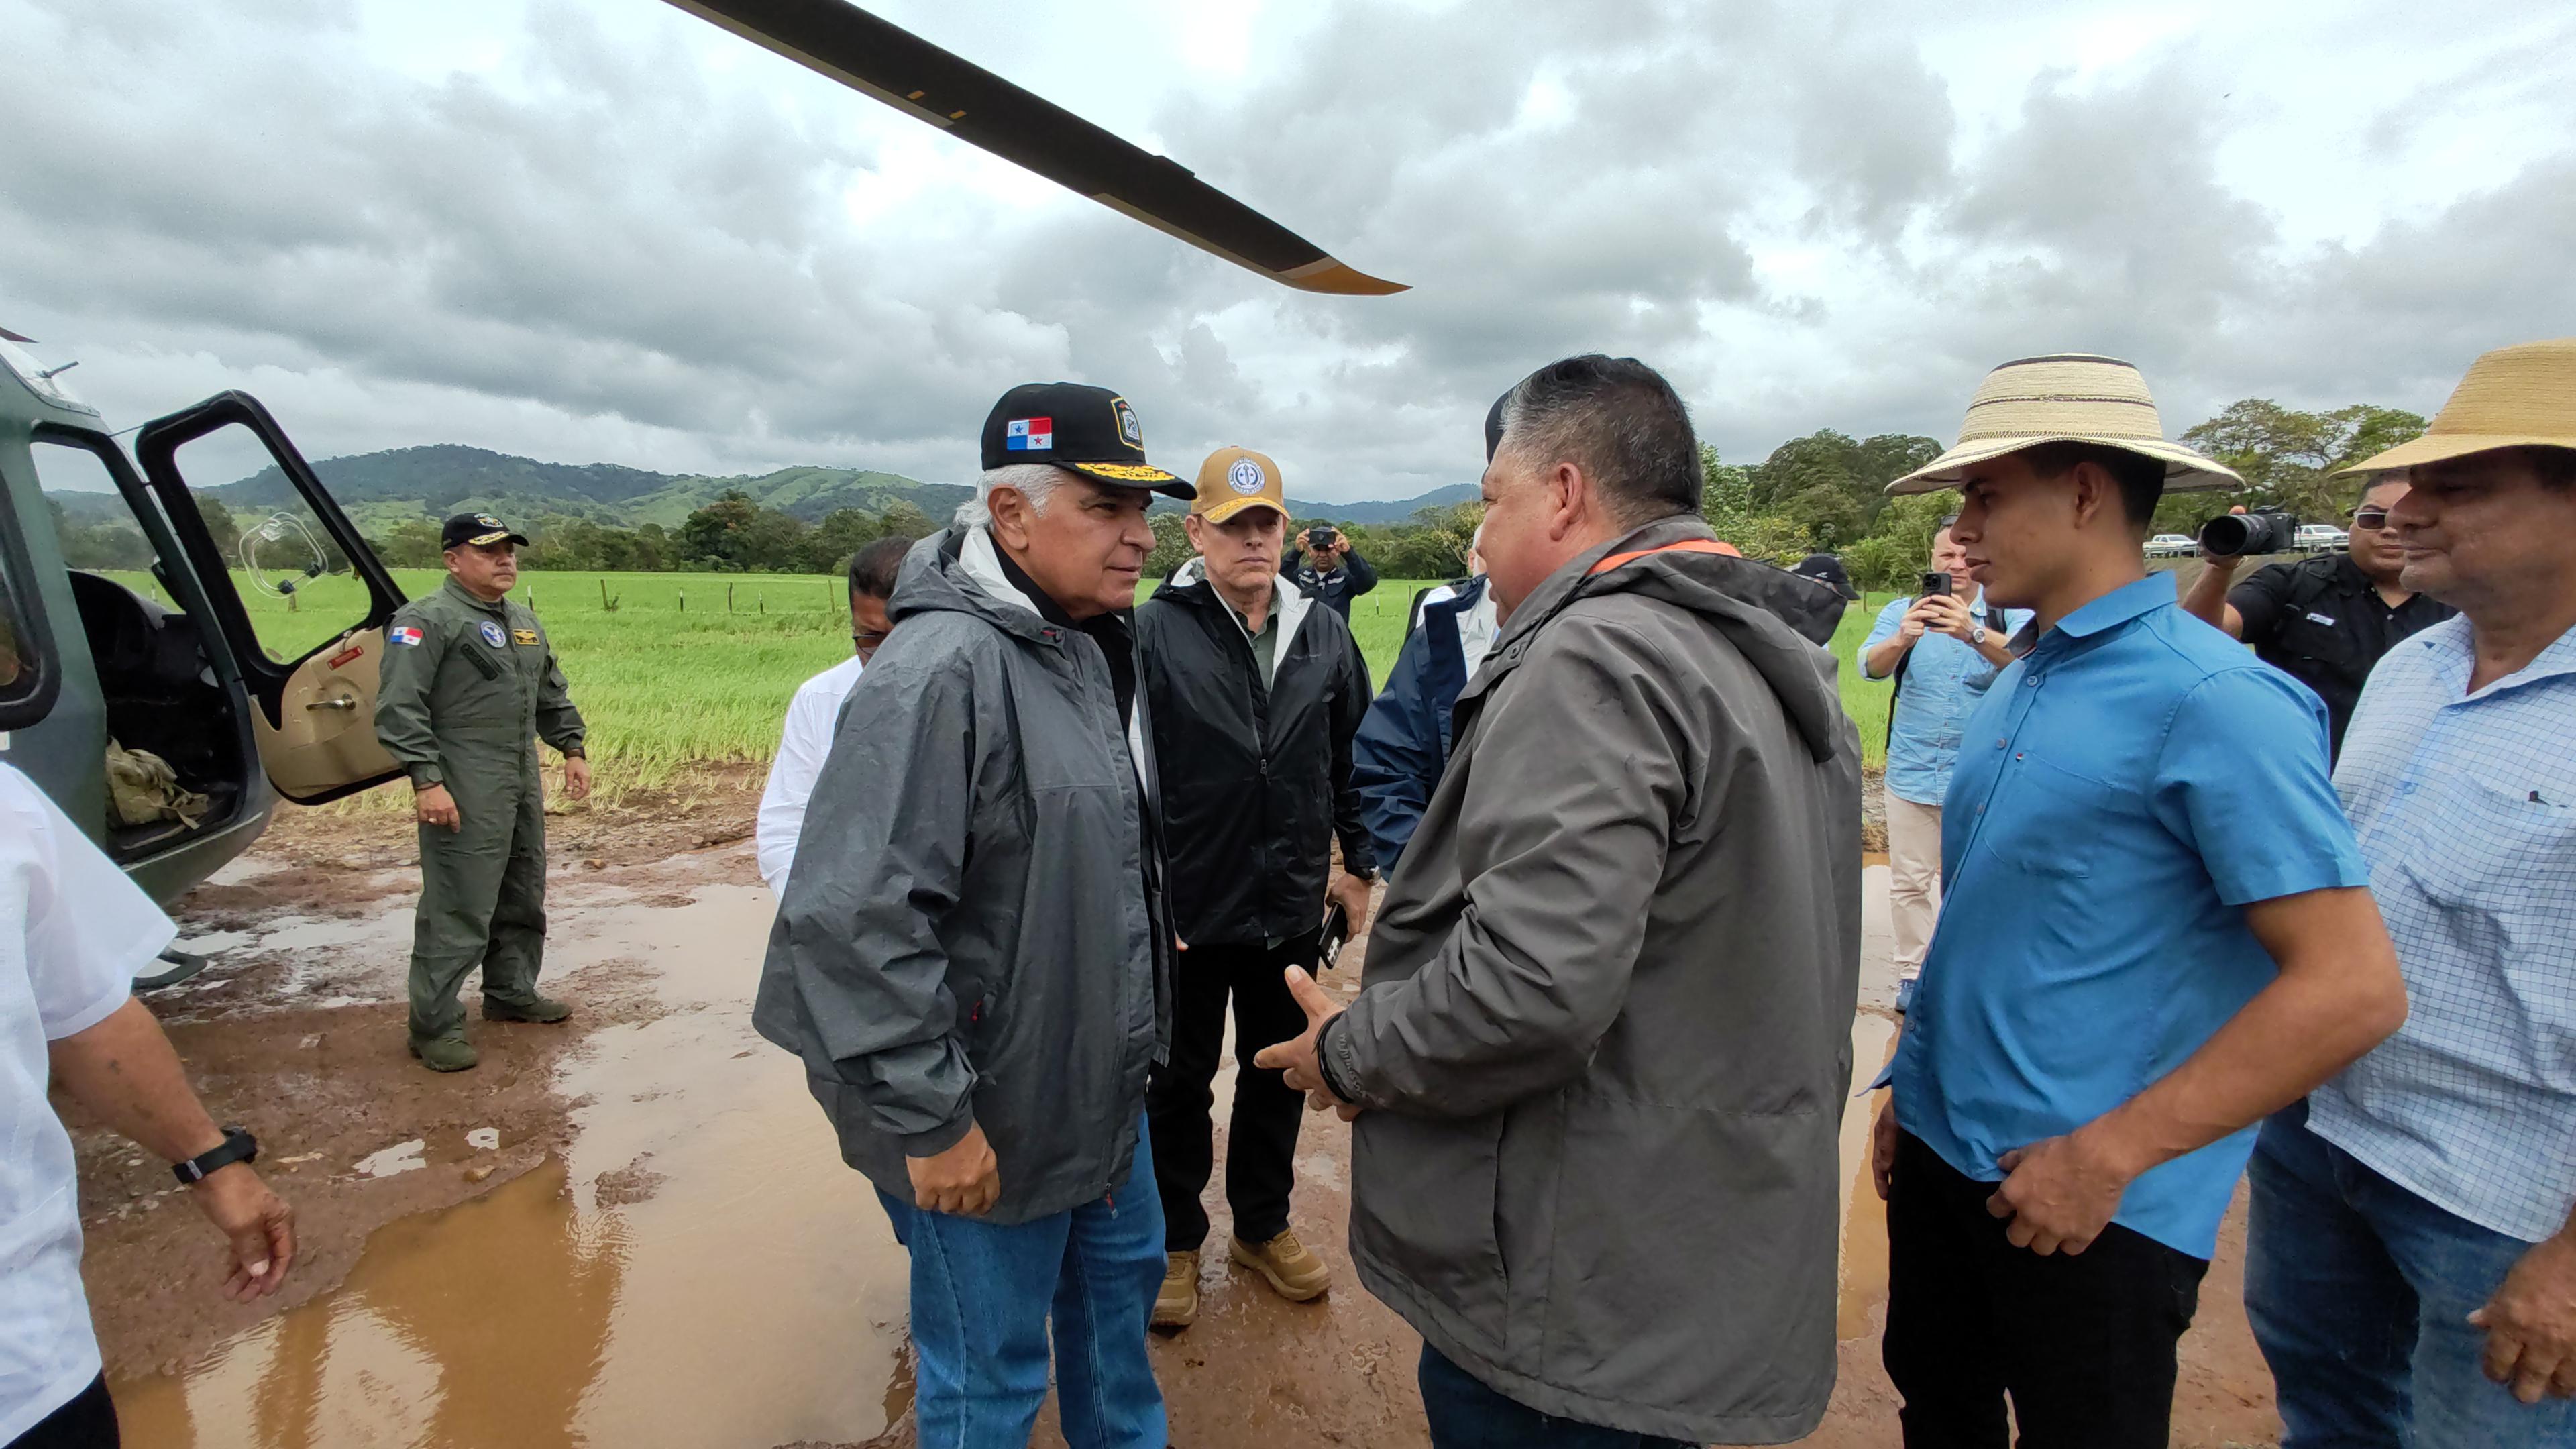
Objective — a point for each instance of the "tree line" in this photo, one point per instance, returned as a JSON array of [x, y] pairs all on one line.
[[1818, 494]]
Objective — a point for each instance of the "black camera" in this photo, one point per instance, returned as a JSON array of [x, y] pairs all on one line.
[[1936, 586], [1319, 536], [2239, 535]]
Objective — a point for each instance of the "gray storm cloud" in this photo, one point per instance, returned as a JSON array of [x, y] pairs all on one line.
[[605, 239]]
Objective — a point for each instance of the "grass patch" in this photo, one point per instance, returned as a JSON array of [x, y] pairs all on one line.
[[691, 667]]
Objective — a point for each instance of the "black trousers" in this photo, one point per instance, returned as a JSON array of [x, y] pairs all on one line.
[[2083, 1344], [1261, 1137], [87, 1422]]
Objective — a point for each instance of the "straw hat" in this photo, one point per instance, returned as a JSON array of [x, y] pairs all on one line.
[[2513, 397], [2067, 397]]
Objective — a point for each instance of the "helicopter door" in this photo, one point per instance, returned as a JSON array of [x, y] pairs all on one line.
[[297, 592]]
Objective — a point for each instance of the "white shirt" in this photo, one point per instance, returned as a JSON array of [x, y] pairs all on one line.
[[803, 745], [74, 933]]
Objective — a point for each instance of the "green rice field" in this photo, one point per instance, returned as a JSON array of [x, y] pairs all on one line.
[[692, 667]]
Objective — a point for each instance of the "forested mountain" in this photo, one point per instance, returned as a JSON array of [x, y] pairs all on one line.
[[380, 490]]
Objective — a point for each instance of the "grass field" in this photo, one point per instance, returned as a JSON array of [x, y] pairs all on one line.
[[700, 666]]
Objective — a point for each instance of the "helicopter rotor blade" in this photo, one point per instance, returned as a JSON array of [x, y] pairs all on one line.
[[929, 84]]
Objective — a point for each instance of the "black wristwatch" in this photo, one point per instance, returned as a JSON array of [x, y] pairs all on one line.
[[238, 1146], [1367, 876]]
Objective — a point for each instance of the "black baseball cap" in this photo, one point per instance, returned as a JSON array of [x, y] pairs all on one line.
[[1824, 568], [475, 528], [1091, 430]]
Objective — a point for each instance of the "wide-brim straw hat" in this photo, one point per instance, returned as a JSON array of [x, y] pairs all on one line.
[[2066, 397], [2514, 397]]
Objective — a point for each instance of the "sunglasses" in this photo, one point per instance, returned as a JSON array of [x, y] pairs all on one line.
[[2373, 518]]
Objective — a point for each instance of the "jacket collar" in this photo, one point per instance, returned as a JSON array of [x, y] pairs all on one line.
[[1288, 605], [500, 605], [1558, 589]]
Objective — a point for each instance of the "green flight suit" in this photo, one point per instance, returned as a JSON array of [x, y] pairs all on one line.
[[467, 688]]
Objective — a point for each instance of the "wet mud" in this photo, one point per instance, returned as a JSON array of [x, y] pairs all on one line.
[[635, 1230]]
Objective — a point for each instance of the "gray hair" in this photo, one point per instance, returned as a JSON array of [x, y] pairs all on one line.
[[1620, 421], [1035, 482]]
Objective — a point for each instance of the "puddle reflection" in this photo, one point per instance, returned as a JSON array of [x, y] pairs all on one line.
[[738, 1286]]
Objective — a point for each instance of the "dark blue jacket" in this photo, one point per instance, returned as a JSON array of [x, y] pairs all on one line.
[[1333, 590], [1403, 744]]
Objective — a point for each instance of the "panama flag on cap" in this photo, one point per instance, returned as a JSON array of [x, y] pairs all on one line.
[[1030, 435]]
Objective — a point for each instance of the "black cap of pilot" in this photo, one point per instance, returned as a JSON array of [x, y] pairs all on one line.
[[475, 528], [1091, 430]]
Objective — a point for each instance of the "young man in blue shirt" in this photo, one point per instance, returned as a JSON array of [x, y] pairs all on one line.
[[1943, 650], [2156, 932]]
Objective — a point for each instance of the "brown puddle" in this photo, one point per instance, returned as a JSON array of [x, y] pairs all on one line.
[[702, 1270]]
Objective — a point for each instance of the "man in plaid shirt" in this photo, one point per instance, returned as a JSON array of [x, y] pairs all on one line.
[[2411, 1223]]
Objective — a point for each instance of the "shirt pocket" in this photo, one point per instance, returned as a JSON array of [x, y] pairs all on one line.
[[2051, 822], [2498, 860]]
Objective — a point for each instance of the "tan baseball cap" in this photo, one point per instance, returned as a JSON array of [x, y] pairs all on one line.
[[1234, 479]]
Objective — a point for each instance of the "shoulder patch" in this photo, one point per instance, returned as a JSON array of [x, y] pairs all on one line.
[[403, 634]]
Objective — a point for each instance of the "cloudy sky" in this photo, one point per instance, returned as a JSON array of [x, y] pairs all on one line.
[[602, 230]]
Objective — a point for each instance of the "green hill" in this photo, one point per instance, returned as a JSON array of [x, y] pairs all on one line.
[[382, 489], [400, 484]]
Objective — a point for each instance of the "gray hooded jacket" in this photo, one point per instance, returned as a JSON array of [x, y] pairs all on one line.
[[974, 932], [1605, 1027]]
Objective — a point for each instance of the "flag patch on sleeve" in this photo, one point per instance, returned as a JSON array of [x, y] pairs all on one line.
[[404, 634], [1029, 435]]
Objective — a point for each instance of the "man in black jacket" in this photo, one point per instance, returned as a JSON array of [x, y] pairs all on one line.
[[1255, 695]]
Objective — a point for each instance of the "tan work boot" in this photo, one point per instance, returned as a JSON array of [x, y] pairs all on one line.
[[1297, 1274], [540, 1009], [444, 1053], [1178, 1302]]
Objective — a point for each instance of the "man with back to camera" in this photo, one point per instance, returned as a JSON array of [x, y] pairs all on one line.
[[2324, 621], [973, 955], [2414, 1222], [1598, 1060], [807, 736], [1256, 693], [469, 685], [2155, 932], [74, 933], [1322, 564], [1942, 651]]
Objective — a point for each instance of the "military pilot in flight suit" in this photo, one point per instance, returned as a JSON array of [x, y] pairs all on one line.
[[469, 684]]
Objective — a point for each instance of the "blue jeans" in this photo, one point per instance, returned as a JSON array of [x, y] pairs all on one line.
[[1465, 1414], [982, 1297], [2360, 1293]]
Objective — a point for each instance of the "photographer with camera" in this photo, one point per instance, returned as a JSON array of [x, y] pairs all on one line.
[[1322, 564], [2323, 621], [1942, 647]]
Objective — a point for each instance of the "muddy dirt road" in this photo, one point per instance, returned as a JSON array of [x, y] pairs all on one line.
[[634, 1231]]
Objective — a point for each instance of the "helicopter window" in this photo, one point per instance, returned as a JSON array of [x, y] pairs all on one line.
[[294, 581]]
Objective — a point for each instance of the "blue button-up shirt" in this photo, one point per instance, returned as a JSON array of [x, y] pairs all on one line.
[[2123, 791], [2466, 804], [1944, 679]]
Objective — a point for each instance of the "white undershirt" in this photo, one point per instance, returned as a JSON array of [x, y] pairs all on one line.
[[74, 933], [813, 716]]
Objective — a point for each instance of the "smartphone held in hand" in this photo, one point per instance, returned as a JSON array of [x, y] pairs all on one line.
[[1335, 935]]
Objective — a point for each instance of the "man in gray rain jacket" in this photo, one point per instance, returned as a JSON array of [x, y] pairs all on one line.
[[972, 953], [1601, 1050]]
